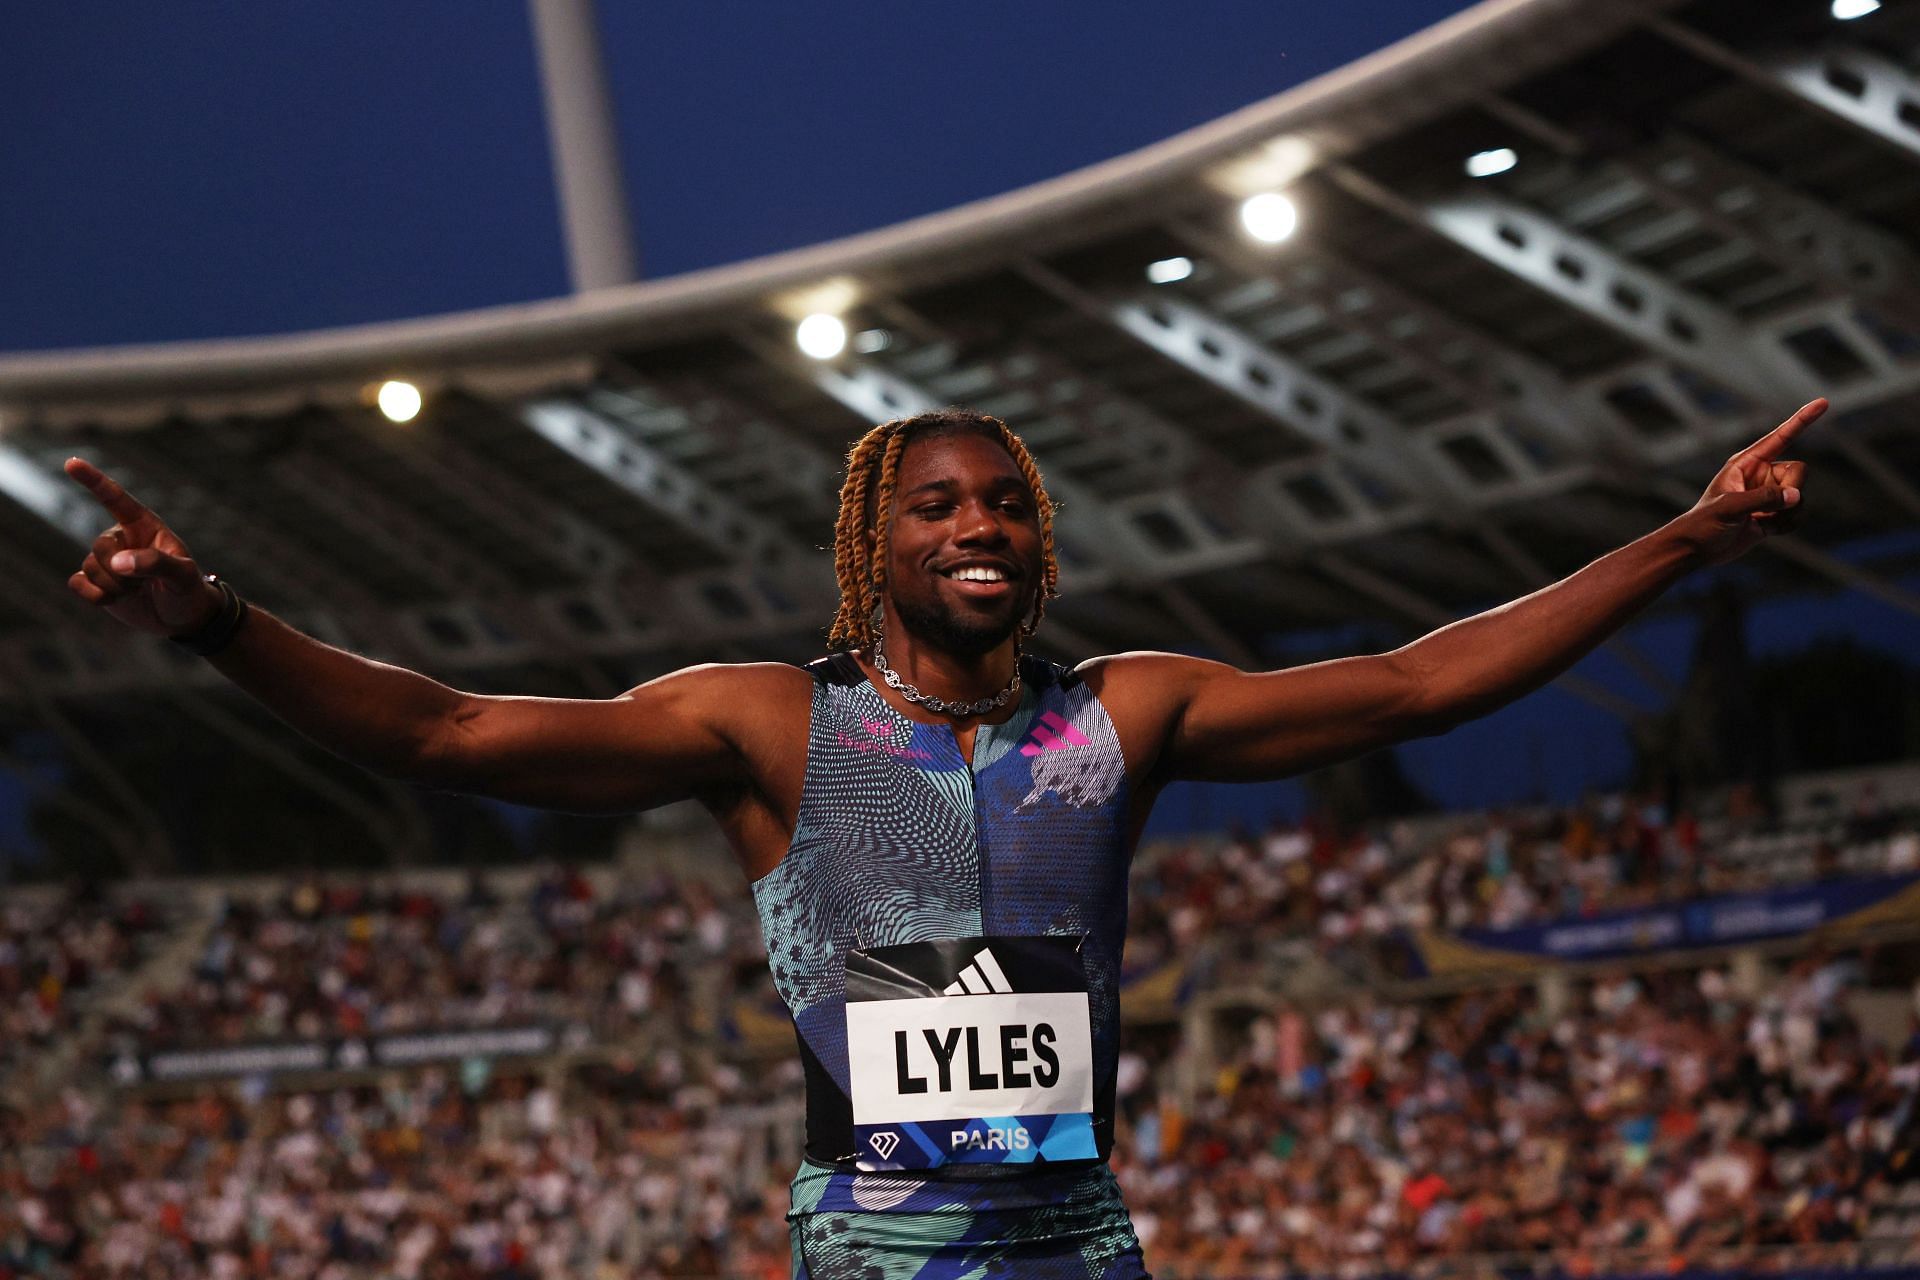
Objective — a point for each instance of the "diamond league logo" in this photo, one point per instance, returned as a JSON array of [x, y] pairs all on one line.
[[884, 1142]]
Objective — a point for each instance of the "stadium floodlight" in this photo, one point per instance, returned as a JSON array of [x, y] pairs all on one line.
[[1169, 270], [400, 401], [1848, 10], [821, 336], [1269, 217], [868, 341], [1484, 164]]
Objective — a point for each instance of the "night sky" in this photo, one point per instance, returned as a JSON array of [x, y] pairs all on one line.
[[199, 170]]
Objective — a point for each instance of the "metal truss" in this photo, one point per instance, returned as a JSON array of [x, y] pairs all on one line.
[[771, 581], [1595, 279], [1846, 82], [573, 545], [746, 453], [1373, 473], [1827, 346], [1293, 502], [1752, 213], [604, 433], [1529, 431]]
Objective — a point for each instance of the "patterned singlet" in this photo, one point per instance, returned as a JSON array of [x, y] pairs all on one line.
[[947, 940]]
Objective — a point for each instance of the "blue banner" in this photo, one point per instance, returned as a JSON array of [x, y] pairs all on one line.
[[1702, 922]]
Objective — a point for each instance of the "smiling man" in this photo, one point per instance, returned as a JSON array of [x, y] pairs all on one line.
[[936, 826]]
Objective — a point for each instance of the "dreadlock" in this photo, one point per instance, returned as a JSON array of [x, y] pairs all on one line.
[[866, 506]]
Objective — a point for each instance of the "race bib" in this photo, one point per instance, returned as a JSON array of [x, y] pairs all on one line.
[[970, 1051]]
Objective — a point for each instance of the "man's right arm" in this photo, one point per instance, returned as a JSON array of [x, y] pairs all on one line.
[[665, 740]]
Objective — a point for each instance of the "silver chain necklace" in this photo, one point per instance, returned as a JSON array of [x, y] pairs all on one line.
[[944, 707]]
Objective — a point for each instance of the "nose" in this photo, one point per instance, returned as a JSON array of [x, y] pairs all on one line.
[[979, 524]]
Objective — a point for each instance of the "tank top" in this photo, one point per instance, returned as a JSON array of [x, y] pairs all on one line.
[[947, 936]]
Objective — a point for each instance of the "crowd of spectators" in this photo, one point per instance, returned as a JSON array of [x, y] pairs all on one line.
[[354, 958], [346, 958], [1343, 888], [1659, 1121], [1655, 1121], [631, 1170], [56, 952]]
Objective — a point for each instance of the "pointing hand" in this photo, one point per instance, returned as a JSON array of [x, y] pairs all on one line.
[[1755, 495], [139, 570]]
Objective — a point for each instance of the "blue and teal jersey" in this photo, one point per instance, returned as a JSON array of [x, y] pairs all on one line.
[[947, 937]]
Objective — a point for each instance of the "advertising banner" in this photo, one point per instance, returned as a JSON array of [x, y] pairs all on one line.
[[359, 1053], [1832, 907]]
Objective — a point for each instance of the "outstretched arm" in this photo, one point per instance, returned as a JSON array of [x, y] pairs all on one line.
[[1230, 725], [662, 741]]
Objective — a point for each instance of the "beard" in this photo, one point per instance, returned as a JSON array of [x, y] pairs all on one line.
[[962, 636]]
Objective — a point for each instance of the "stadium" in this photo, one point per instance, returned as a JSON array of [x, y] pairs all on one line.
[[1421, 336]]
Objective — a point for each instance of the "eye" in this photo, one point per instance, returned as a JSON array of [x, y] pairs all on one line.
[[933, 510]]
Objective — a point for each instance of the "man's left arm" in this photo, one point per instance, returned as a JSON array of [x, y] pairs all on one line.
[[1225, 724]]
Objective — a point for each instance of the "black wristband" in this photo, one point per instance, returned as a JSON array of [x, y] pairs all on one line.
[[220, 630]]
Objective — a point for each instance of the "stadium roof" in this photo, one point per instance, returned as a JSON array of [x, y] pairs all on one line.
[[1555, 259]]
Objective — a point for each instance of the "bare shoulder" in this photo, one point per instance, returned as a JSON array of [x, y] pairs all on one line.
[[1144, 694], [730, 695], [722, 679], [1144, 676]]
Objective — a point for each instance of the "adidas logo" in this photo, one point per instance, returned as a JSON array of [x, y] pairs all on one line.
[[883, 1143], [983, 976], [1052, 733]]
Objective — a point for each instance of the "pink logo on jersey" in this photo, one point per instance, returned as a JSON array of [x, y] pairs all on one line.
[[1053, 733], [881, 738]]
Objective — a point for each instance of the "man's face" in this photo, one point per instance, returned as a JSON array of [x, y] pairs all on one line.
[[964, 560]]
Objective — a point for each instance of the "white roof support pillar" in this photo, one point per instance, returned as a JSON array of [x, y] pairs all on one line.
[[585, 146]]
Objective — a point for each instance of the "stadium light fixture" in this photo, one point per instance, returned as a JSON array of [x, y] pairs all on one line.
[[1169, 270], [1269, 217], [1484, 164], [1848, 10], [400, 401], [821, 336]]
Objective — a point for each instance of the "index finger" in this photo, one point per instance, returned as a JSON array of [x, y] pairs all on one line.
[[1772, 444], [120, 504]]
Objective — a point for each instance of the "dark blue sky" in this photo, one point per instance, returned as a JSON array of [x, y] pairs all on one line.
[[197, 170]]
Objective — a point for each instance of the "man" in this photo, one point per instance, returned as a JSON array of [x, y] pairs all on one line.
[[936, 828]]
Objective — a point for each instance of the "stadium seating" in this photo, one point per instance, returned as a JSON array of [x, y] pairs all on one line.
[[1744, 1114]]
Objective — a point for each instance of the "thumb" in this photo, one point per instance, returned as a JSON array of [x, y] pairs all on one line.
[[1766, 497], [173, 573]]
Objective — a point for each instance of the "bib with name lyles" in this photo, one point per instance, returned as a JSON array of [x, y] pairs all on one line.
[[947, 937]]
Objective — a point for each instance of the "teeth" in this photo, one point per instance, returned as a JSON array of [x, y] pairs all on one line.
[[978, 574]]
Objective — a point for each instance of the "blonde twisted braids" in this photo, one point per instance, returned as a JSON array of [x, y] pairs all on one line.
[[866, 507]]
